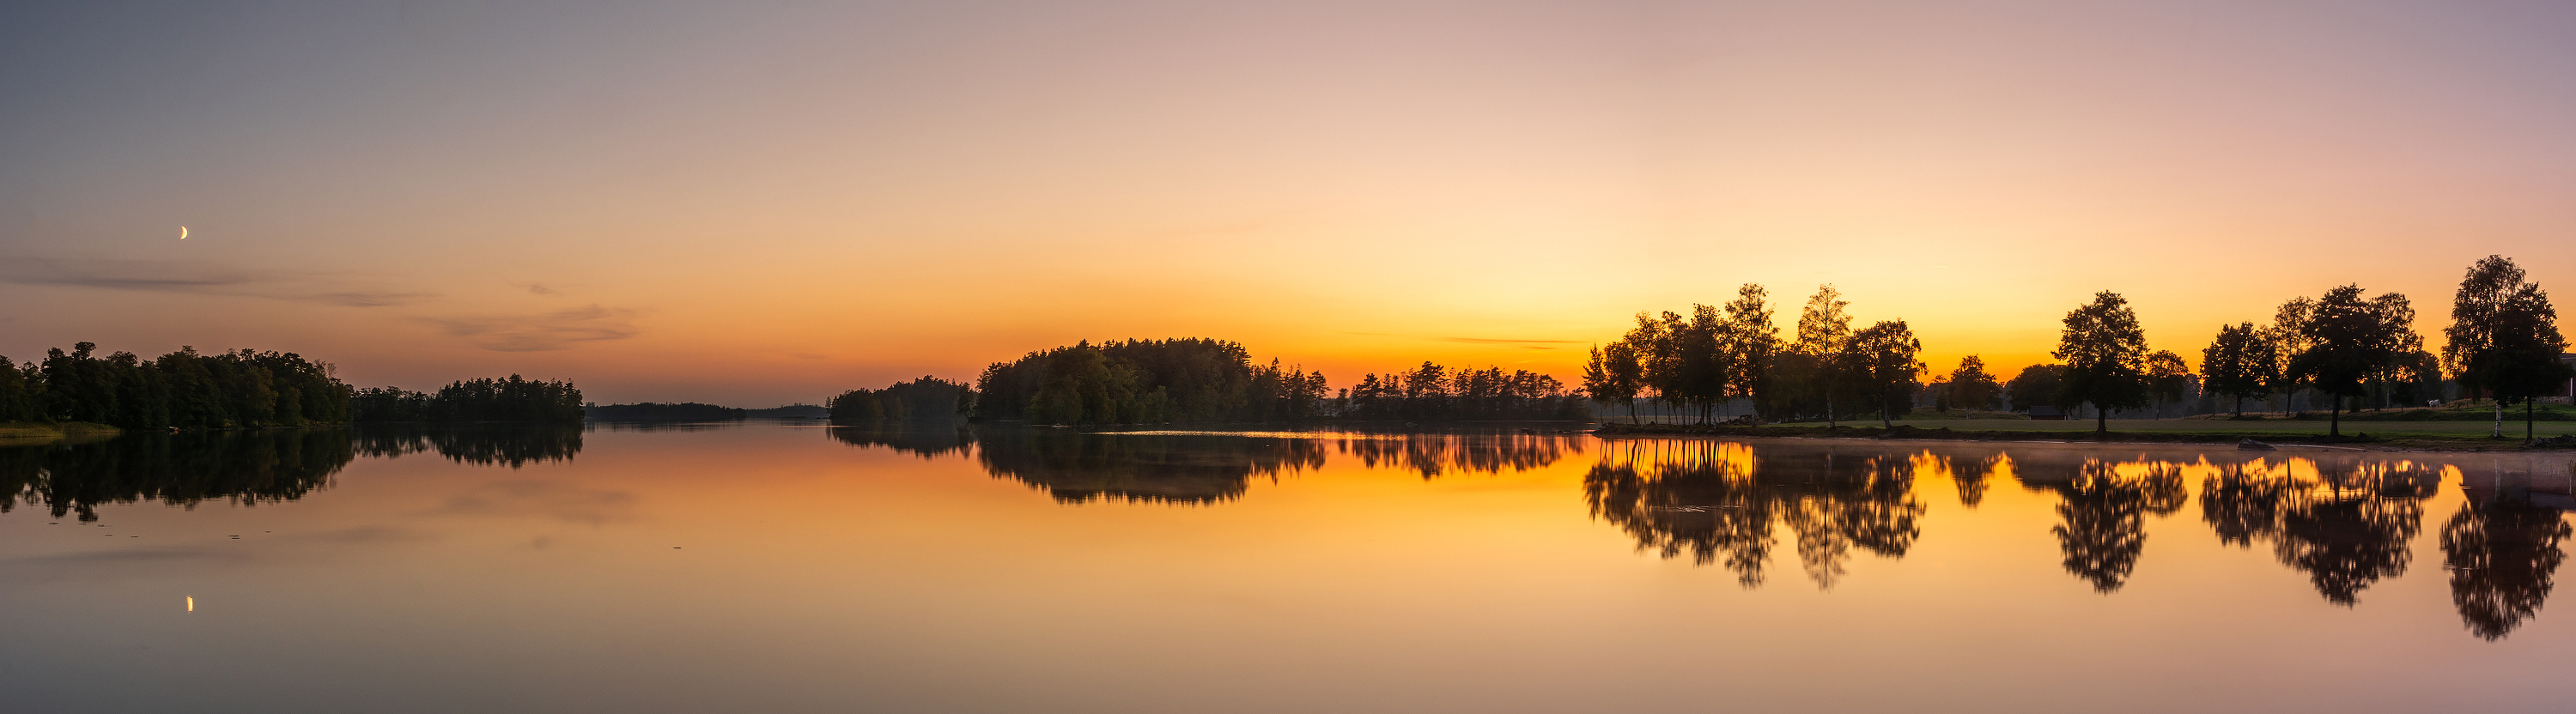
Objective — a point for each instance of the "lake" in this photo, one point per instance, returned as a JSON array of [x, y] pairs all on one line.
[[799, 568]]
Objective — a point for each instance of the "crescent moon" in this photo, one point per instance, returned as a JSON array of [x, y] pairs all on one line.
[[183, 233]]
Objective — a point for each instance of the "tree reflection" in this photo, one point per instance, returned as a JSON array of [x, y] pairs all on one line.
[[2346, 523], [512, 445], [2502, 548], [1435, 454], [1718, 503], [2102, 513], [1175, 469], [240, 467], [1970, 472], [927, 443]]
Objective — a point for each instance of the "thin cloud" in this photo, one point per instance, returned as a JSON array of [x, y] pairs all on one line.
[[543, 332], [166, 276]]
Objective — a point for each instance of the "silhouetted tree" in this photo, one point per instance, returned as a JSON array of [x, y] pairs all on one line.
[[2239, 363], [2105, 353], [1882, 357], [2289, 337], [2345, 344], [1970, 386], [1823, 331], [2038, 385], [1751, 343]]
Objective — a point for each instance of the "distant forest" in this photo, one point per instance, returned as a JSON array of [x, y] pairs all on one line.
[[927, 398], [656, 411], [182, 389], [1146, 382], [487, 399], [1203, 381], [191, 390]]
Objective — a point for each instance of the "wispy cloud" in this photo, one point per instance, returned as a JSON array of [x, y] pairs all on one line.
[[541, 332], [170, 276]]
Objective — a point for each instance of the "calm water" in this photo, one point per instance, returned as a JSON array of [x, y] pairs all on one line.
[[795, 569]]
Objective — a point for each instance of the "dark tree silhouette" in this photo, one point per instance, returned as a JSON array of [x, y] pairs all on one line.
[[1883, 366], [2106, 354], [2239, 363]]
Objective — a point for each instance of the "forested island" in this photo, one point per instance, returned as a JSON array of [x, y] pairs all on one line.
[[250, 389], [1206, 381]]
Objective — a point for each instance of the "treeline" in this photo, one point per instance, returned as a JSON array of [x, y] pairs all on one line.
[[183, 389], [1718, 354], [486, 399], [2503, 343], [657, 411], [1207, 381], [925, 399], [1146, 382], [1433, 392]]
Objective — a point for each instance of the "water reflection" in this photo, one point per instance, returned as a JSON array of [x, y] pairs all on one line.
[[514, 446], [1718, 503], [926, 443], [2346, 522], [2102, 517], [1173, 469], [1196, 468], [244, 468], [2503, 547]]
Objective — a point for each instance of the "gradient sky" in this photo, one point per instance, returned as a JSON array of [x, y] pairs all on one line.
[[755, 203]]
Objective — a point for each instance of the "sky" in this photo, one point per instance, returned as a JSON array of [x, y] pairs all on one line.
[[758, 203]]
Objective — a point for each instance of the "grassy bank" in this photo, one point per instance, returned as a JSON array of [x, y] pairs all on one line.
[[22, 433], [2444, 435]]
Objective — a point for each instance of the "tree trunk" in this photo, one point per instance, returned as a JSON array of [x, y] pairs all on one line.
[[2334, 420], [2101, 421], [1829, 410], [2526, 420], [2240, 406], [2499, 422]]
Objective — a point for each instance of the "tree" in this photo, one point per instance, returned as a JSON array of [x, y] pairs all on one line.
[[1652, 338], [2500, 326], [1749, 341], [2168, 378], [2344, 347], [1823, 328], [2527, 346], [2289, 337], [2106, 354], [1627, 374], [2469, 348], [2239, 363], [1970, 386], [1883, 361], [2395, 343], [2038, 385]]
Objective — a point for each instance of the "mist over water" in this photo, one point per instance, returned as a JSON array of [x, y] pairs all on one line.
[[810, 568]]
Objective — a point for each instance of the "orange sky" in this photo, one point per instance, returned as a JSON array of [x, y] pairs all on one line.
[[763, 203]]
